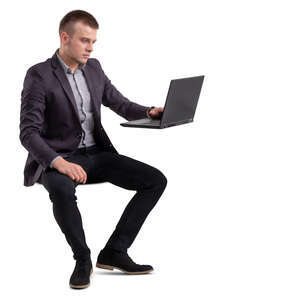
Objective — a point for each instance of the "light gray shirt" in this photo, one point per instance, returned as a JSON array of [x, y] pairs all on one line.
[[83, 101]]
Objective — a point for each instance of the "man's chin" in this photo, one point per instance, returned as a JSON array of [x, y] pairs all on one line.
[[81, 61]]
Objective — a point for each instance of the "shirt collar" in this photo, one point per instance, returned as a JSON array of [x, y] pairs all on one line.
[[65, 67]]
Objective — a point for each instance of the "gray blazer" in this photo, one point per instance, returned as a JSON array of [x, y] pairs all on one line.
[[49, 118]]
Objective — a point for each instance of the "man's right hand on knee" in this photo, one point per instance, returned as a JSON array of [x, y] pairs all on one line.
[[74, 171]]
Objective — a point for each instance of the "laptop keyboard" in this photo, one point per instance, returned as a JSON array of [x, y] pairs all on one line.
[[146, 121]]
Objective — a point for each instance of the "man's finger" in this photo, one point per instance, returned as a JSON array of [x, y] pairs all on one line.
[[84, 175], [78, 174]]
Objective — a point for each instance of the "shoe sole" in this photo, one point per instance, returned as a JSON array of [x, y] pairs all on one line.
[[80, 286], [111, 268]]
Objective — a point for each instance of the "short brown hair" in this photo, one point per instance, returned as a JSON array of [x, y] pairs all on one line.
[[68, 21]]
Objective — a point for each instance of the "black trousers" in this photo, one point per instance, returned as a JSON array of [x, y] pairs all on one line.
[[100, 166]]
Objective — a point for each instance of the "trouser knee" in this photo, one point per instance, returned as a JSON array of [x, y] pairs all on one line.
[[159, 179], [62, 194]]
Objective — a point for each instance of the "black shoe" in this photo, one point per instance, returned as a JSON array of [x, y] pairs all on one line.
[[80, 277], [110, 259]]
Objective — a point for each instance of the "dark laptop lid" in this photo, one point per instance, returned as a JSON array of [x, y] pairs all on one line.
[[182, 99]]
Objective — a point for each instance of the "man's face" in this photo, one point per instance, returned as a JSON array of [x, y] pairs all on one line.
[[79, 47]]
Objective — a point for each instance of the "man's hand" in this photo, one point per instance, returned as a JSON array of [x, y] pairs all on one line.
[[156, 112], [74, 171]]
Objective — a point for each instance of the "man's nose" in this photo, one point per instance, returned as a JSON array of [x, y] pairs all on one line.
[[90, 47]]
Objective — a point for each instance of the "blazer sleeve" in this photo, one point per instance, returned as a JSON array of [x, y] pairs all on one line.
[[33, 106], [113, 99]]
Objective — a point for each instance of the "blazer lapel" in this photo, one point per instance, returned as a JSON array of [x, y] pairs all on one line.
[[90, 83], [59, 72]]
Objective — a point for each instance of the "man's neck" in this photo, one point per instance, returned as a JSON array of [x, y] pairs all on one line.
[[73, 66]]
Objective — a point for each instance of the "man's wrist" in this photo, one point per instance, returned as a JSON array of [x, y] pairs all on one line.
[[54, 159], [147, 112]]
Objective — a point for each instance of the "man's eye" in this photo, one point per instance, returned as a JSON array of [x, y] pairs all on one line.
[[87, 41]]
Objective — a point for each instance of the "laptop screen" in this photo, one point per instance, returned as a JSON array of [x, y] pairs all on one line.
[[182, 99]]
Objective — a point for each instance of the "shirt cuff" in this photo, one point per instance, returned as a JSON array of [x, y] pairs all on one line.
[[53, 160]]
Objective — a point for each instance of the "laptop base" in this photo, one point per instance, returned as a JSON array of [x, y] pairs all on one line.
[[152, 124], [143, 123]]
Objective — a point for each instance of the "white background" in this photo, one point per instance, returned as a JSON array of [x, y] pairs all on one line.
[[227, 225]]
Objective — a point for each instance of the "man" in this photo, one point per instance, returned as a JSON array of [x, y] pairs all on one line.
[[60, 127]]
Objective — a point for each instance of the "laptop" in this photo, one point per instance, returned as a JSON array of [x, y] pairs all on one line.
[[180, 106]]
